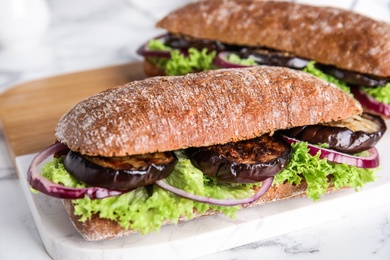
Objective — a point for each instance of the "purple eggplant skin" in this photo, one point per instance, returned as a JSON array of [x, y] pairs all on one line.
[[341, 139], [353, 78], [116, 179], [273, 58], [218, 161]]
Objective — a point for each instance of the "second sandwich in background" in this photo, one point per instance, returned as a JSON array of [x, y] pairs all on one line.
[[342, 47]]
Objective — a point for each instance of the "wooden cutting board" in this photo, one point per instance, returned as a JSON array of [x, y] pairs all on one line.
[[30, 111]]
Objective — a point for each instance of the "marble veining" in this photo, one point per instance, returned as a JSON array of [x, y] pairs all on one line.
[[90, 34], [384, 238]]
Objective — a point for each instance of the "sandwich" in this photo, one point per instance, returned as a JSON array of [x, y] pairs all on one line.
[[345, 48], [164, 150]]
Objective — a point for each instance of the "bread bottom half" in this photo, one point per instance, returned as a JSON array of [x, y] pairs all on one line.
[[151, 70], [97, 228]]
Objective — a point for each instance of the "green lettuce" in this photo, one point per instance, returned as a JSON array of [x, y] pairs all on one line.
[[146, 211], [321, 174], [381, 93], [158, 45], [310, 68], [234, 58], [179, 64]]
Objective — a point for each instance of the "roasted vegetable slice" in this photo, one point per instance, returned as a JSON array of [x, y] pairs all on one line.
[[352, 135], [120, 173], [274, 58], [242, 162]]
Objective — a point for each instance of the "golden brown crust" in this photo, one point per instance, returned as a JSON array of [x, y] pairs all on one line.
[[203, 109], [327, 35], [102, 229]]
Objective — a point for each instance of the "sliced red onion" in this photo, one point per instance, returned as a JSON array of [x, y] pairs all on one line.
[[44, 185], [371, 161], [146, 52], [222, 61], [370, 102], [266, 184]]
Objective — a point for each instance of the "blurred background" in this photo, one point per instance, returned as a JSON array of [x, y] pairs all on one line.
[[39, 38]]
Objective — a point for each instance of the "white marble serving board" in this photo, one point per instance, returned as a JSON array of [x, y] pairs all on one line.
[[207, 235]]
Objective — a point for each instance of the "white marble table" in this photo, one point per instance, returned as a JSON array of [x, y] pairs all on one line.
[[90, 34]]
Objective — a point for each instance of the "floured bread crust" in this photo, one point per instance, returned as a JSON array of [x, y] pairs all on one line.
[[203, 109], [103, 229], [327, 35]]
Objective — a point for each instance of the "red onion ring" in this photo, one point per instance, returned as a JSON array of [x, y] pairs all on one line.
[[146, 52], [266, 184], [371, 161], [370, 102], [44, 185], [222, 61]]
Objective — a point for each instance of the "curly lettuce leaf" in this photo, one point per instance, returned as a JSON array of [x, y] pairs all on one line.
[[158, 45], [310, 68], [321, 174], [381, 93], [56, 172], [196, 61], [179, 64]]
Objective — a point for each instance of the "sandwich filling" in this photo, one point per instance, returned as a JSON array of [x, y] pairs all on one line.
[[225, 172]]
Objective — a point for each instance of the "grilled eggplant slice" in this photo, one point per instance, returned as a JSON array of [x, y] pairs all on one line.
[[353, 78], [274, 58], [352, 135], [120, 173], [242, 162]]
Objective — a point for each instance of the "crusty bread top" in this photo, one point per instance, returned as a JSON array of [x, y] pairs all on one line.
[[202, 109], [327, 35]]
